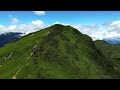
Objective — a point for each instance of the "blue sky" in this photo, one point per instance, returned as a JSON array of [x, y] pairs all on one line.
[[85, 21], [71, 17]]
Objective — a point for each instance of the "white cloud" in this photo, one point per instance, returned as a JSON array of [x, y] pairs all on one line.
[[115, 22], [57, 22], [14, 20], [32, 27], [106, 30], [39, 12], [109, 30], [60, 23], [86, 29], [24, 28], [37, 22]]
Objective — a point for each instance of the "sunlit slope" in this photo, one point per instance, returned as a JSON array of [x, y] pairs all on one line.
[[54, 52]]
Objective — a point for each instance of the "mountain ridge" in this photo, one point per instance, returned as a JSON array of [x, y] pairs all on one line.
[[57, 51], [9, 37], [112, 40]]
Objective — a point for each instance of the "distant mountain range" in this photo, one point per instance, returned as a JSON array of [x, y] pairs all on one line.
[[8, 37], [112, 40]]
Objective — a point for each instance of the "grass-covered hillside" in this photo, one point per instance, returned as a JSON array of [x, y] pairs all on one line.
[[110, 51], [58, 51]]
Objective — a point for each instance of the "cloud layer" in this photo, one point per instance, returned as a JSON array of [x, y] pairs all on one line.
[[24, 28], [39, 12], [103, 31], [109, 30], [14, 20]]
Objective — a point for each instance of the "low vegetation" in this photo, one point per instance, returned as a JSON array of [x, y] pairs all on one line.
[[56, 52]]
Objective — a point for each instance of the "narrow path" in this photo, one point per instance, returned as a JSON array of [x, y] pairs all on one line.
[[8, 56], [31, 53], [28, 58], [14, 77]]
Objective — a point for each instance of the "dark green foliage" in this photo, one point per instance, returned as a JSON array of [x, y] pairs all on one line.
[[111, 52]]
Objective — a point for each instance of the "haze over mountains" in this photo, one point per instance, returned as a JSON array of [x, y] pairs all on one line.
[[112, 40], [60, 52], [8, 37]]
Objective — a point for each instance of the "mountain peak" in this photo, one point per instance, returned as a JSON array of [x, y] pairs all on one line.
[[55, 52], [59, 29], [60, 26]]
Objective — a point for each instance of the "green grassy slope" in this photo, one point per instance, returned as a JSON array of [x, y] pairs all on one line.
[[55, 52], [111, 52]]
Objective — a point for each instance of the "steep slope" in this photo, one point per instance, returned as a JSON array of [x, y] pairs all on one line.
[[8, 37], [110, 51], [54, 52]]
